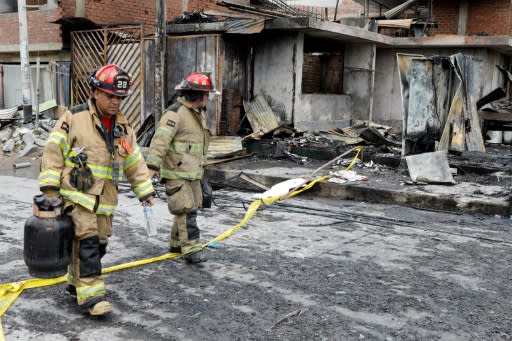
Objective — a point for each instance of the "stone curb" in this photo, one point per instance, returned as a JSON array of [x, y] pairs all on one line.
[[412, 196]]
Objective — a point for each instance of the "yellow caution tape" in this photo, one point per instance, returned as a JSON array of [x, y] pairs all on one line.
[[256, 204], [359, 150], [9, 292]]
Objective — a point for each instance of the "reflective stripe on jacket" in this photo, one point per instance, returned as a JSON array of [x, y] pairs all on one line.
[[81, 128], [178, 148]]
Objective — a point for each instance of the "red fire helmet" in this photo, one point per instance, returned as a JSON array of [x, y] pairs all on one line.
[[111, 79], [196, 81]]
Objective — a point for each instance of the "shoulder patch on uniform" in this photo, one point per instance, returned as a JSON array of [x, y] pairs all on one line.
[[79, 108], [65, 126], [171, 123]]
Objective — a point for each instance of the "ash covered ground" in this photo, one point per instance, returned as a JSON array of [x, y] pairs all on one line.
[[302, 269]]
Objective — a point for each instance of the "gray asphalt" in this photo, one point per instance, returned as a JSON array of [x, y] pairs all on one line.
[[302, 269]]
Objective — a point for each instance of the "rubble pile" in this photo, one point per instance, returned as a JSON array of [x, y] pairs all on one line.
[[18, 139]]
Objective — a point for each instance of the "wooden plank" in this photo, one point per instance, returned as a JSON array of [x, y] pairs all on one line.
[[237, 157], [495, 116], [452, 135], [232, 14], [474, 137], [395, 23], [47, 105], [238, 2]]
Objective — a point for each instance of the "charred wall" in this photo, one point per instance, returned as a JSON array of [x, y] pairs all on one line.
[[274, 69], [358, 78], [387, 99]]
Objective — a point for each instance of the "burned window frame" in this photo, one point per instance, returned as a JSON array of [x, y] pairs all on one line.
[[322, 53]]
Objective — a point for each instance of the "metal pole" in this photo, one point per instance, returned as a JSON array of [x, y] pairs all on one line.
[[336, 10], [1, 86], [26, 79], [160, 38], [38, 70]]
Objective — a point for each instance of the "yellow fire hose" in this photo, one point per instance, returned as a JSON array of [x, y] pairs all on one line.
[[9, 292]]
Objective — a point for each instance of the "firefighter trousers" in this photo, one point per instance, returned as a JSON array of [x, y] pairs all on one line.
[[184, 198], [89, 246]]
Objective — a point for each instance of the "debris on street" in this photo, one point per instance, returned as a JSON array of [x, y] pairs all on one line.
[[430, 168], [342, 176]]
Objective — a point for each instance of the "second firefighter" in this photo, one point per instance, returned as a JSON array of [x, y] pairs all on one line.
[[178, 155]]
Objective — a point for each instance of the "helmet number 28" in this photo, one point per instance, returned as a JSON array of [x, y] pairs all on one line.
[[122, 84]]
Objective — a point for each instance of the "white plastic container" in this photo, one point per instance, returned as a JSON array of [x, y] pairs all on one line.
[[495, 136], [507, 137], [150, 224]]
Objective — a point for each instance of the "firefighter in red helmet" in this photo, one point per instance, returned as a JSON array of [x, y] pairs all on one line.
[[88, 151], [177, 155]]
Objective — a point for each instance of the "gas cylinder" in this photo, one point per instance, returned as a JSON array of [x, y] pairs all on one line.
[[48, 237]]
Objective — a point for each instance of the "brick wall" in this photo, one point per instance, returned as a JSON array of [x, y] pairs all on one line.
[[68, 8], [351, 9], [492, 17], [311, 74], [35, 2], [445, 14], [40, 28], [176, 7], [322, 74], [105, 12]]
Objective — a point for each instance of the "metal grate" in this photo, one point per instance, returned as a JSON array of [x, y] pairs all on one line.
[[122, 46]]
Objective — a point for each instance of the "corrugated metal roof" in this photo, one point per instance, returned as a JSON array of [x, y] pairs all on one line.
[[260, 115], [224, 146]]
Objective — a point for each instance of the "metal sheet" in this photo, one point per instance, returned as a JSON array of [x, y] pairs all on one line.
[[464, 67], [438, 96], [224, 146], [123, 46], [247, 26], [421, 113], [12, 85], [260, 115], [63, 82]]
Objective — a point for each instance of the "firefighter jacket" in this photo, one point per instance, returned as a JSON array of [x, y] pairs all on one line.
[[178, 149], [81, 127]]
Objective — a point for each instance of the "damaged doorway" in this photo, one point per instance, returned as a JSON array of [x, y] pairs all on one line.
[[227, 59], [122, 46], [186, 54]]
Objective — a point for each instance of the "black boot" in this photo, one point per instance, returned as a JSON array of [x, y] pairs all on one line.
[[71, 290], [195, 258], [175, 249], [175, 246]]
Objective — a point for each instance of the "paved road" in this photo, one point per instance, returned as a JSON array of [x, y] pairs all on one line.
[[303, 269]]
